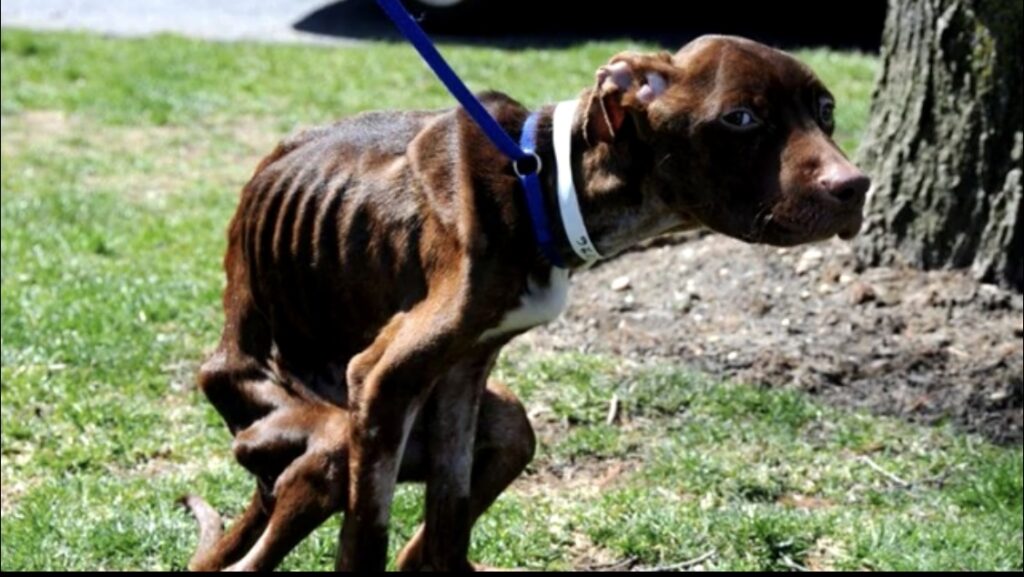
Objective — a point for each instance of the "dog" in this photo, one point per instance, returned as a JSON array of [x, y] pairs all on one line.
[[376, 268]]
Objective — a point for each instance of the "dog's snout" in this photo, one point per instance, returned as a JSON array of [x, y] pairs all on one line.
[[846, 185]]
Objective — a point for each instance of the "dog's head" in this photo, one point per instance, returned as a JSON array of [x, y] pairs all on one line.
[[736, 136]]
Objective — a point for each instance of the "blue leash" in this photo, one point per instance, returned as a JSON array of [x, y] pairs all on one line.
[[525, 161]]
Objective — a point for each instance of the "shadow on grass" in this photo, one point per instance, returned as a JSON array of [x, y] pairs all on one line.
[[530, 24]]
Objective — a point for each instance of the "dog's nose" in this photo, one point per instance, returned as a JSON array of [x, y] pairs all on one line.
[[846, 184]]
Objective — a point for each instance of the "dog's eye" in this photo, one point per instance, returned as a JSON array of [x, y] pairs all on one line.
[[827, 112], [740, 119]]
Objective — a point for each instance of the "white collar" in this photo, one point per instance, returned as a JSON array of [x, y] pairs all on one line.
[[568, 204]]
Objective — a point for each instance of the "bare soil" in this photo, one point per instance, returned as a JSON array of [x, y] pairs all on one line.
[[929, 347]]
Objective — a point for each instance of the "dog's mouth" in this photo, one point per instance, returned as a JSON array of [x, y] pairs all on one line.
[[850, 231], [775, 230]]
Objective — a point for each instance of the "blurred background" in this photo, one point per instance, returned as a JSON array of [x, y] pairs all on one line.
[[792, 24]]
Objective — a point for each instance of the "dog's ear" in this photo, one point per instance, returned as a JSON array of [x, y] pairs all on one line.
[[629, 82]]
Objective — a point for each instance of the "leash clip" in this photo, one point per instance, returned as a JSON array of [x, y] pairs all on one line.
[[534, 168]]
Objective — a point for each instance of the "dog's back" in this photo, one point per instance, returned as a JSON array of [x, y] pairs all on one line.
[[309, 243], [340, 227]]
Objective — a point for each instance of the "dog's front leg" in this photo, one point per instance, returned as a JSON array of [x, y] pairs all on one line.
[[452, 429], [388, 383]]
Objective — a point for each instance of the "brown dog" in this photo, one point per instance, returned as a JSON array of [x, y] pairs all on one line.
[[382, 263]]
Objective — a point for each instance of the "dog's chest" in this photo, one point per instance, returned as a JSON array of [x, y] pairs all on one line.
[[539, 305]]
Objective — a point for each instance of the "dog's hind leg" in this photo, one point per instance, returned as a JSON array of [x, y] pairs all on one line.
[[451, 424], [243, 393], [307, 493], [505, 445]]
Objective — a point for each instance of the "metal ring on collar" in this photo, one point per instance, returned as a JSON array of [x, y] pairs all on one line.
[[527, 171]]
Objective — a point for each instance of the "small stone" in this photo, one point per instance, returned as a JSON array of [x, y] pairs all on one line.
[[922, 299], [861, 293], [786, 323], [683, 301], [846, 278], [732, 357], [809, 260], [889, 298], [999, 396], [832, 273], [760, 307], [989, 292], [936, 341], [708, 502], [825, 288], [723, 272], [992, 298], [620, 284]]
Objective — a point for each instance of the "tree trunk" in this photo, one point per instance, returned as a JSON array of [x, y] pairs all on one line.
[[945, 141]]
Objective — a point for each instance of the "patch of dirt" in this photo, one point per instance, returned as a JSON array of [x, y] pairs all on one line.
[[587, 556], [823, 556], [12, 491], [583, 477], [179, 160], [44, 124], [580, 475], [6, 498], [160, 161], [928, 347], [580, 478], [805, 503]]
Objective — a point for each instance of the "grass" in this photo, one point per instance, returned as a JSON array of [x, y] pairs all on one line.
[[120, 162]]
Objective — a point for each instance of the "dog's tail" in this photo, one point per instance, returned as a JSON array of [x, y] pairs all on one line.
[[211, 526]]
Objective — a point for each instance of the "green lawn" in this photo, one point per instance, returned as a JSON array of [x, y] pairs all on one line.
[[121, 161]]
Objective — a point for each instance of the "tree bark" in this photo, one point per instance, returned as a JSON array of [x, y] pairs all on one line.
[[944, 145]]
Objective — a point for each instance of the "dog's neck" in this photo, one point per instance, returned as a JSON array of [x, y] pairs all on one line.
[[619, 211]]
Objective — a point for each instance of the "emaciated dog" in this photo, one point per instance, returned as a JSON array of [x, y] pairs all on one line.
[[377, 267]]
